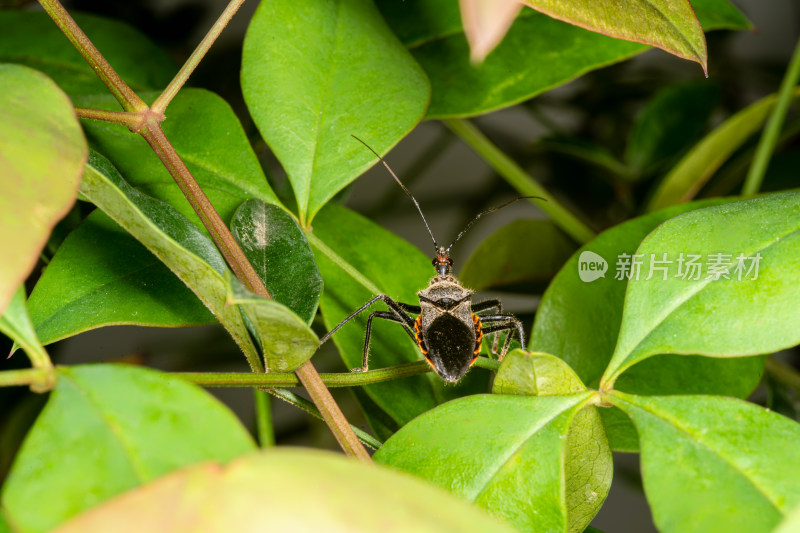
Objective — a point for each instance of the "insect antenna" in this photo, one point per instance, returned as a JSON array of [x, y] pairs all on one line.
[[492, 210], [405, 189]]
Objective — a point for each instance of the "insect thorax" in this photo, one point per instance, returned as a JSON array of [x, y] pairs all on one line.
[[448, 296]]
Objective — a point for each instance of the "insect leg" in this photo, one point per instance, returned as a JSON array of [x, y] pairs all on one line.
[[400, 309], [387, 315], [505, 323], [489, 305], [486, 305]]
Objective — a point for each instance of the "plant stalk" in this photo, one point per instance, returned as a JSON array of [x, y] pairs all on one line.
[[125, 118], [783, 373], [766, 145], [264, 431], [152, 133], [163, 100], [519, 179], [335, 380], [38, 379], [129, 100]]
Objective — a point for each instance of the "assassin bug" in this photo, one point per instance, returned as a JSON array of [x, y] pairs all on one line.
[[449, 328]]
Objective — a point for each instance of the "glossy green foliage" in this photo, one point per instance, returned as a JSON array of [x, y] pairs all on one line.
[[669, 124], [207, 135], [694, 170], [174, 240], [668, 24], [535, 374], [715, 464], [42, 154], [399, 270], [278, 250], [579, 322], [102, 276], [16, 325], [588, 462], [106, 429], [314, 73], [509, 454], [722, 312], [523, 253], [192, 256], [138, 61], [285, 339], [537, 54], [270, 491]]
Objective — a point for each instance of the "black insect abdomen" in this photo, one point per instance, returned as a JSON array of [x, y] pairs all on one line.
[[450, 344]]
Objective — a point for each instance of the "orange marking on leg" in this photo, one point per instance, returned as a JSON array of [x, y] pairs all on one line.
[[418, 336], [478, 335]]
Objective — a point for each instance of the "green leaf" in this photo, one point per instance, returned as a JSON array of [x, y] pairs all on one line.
[[669, 25], [314, 74], [270, 491], [43, 152], [509, 455], [712, 464], [106, 429], [101, 276], [185, 250], [521, 253], [696, 168], [579, 322], [537, 54], [588, 465], [792, 522], [205, 132], [669, 124], [138, 61], [753, 312], [621, 433], [3, 524], [285, 339], [279, 251], [16, 325], [535, 374], [398, 269]]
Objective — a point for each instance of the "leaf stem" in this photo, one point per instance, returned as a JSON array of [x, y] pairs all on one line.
[[783, 373], [519, 179], [769, 138], [38, 379], [126, 118], [264, 431], [163, 100], [488, 364], [121, 91], [341, 263], [308, 407], [220, 233], [345, 379]]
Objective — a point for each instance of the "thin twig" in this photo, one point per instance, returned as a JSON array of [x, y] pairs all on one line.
[[124, 94], [163, 100], [519, 179], [766, 145]]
